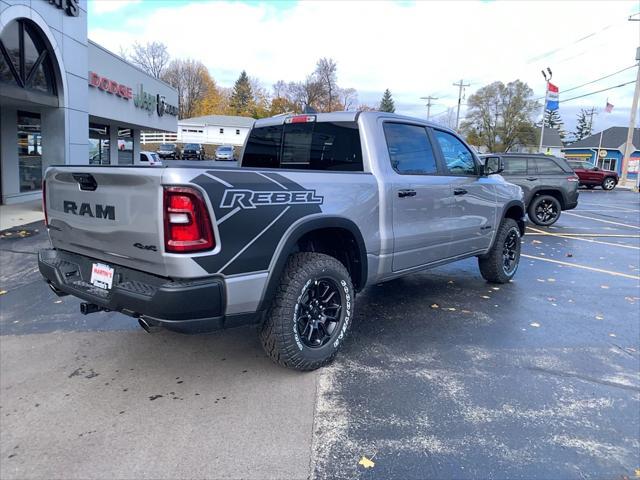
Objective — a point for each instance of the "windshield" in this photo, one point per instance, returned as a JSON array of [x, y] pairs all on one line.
[[167, 146], [224, 149], [191, 146]]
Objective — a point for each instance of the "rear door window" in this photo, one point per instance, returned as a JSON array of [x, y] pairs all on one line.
[[515, 166], [410, 150], [545, 166]]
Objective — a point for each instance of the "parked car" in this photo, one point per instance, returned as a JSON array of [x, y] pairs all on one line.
[[321, 206], [549, 184], [150, 158], [591, 176], [169, 151], [192, 151], [225, 152]]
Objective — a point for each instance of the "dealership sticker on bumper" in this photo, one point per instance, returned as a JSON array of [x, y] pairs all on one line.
[[101, 275]]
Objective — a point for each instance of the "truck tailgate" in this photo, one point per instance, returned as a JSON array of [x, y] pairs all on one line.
[[111, 214]]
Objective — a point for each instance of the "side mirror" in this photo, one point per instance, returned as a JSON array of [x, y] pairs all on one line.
[[596, 169], [493, 165]]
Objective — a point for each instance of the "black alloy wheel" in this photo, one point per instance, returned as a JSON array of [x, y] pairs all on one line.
[[546, 211], [318, 312], [511, 252]]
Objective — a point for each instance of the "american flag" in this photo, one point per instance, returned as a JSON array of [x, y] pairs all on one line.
[[609, 107]]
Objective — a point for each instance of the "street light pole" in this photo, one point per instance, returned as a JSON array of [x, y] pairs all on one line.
[[632, 123]]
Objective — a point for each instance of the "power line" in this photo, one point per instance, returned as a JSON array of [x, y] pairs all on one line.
[[599, 91]]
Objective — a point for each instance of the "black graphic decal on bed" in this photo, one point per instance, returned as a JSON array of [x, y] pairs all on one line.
[[253, 210]]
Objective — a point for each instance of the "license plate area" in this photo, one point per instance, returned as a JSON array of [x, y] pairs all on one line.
[[102, 276]]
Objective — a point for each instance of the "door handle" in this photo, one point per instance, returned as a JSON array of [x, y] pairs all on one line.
[[532, 179], [459, 191], [406, 193]]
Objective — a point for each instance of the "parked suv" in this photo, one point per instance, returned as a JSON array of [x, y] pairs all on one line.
[[169, 150], [193, 151], [548, 182], [321, 206], [591, 176]]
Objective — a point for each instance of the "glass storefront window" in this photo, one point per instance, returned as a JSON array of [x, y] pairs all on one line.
[[29, 151], [99, 144], [125, 146]]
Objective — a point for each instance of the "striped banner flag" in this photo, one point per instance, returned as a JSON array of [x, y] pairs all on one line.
[[609, 107], [553, 97]]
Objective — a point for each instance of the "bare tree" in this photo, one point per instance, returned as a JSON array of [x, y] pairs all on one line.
[[153, 57], [326, 75], [348, 98], [192, 81]]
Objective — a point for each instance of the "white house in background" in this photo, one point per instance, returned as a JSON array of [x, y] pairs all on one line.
[[207, 130], [551, 144]]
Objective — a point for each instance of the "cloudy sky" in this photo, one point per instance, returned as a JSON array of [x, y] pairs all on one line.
[[413, 48]]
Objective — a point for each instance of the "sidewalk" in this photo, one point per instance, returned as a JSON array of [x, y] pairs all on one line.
[[20, 214]]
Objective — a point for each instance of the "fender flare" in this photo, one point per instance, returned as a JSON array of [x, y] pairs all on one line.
[[515, 203], [289, 244]]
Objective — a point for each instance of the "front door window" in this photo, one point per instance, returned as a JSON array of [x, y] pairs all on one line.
[[29, 151]]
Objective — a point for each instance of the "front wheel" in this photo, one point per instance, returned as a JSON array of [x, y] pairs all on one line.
[[544, 210], [501, 263], [311, 313], [608, 183]]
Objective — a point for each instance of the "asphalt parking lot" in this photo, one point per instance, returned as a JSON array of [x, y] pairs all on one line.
[[444, 375]]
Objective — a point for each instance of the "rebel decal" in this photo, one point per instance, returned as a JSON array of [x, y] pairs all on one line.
[[250, 199], [253, 210]]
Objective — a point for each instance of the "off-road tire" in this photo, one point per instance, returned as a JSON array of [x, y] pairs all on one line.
[[492, 264], [609, 183], [279, 333], [537, 201]]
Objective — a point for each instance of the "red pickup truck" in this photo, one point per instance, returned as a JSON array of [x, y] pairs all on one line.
[[591, 176]]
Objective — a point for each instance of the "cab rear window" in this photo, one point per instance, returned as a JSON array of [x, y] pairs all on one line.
[[332, 146]]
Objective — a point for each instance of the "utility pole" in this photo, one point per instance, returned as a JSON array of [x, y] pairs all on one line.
[[428, 99], [632, 123], [460, 86]]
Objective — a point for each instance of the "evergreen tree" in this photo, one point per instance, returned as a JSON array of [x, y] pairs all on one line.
[[241, 102], [386, 104], [583, 127], [552, 119]]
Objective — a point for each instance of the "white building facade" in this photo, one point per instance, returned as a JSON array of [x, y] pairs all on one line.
[[207, 130], [67, 100]]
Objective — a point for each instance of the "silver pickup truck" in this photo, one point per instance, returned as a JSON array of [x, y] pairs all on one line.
[[321, 206]]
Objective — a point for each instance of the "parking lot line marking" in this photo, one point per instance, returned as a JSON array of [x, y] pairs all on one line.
[[584, 267], [577, 237], [600, 220], [568, 235], [617, 207]]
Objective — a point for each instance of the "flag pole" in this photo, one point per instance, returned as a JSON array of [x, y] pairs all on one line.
[[544, 112]]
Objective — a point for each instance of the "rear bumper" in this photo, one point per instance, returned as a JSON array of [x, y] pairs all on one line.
[[187, 305], [572, 201]]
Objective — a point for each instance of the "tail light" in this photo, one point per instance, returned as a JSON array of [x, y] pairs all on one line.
[[44, 203], [301, 119], [573, 179], [187, 226]]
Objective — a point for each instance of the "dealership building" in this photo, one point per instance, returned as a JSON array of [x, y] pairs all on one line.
[[67, 100]]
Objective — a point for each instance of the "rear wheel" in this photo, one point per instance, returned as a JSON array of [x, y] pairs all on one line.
[[544, 210], [501, 263], [311, 313], [608, 183]]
